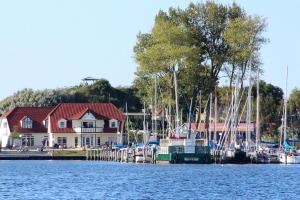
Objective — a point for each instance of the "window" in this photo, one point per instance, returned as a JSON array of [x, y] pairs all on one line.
[[28, 140], [26, 123], [87, 141], [88, 124], [62, 123], [45, 141], [98, 141], [83, 141], [76, 141], [62, 141], [113, 123]]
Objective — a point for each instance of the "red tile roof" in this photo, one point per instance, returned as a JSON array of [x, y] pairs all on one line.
[[82, 113], [36, 114], [221, 127], [71, 111]]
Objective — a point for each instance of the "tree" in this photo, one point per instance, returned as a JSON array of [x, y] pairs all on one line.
[[101, 91], [294, 111], [271, 107], [15, 135], [244, 38], [200, 40], [157, 53]]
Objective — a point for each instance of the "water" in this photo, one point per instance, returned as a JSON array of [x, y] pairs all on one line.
[[102, 180]]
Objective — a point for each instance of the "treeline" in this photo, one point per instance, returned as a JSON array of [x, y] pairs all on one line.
[[100, 91]]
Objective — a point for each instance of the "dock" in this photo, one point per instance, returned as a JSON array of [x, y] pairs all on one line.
[[118, 155]]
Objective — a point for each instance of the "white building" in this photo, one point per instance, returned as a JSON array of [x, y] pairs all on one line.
[[27, 125], [68, 125]]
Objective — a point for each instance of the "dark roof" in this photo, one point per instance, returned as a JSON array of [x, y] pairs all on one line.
[[36, 114], [71, 111]]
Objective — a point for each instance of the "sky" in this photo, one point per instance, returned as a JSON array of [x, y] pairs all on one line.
[[56, 43]]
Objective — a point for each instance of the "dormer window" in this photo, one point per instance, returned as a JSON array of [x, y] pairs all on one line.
[[113, 123], [62, 123], [26, 122]]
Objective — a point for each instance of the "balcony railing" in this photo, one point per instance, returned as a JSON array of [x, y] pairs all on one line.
[[89, 130]]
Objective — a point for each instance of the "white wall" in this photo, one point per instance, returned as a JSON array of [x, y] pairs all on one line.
[[104, 138], [4, 132]]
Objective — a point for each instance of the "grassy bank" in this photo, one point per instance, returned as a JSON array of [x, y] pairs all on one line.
[[69, 153]]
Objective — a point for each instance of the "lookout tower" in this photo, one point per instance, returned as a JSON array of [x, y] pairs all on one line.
[[89, 80]]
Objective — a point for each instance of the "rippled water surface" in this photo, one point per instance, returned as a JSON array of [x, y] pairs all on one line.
[[101, 180]]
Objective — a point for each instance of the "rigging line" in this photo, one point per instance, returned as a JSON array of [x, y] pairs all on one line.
[[225, 129], [234, 113]]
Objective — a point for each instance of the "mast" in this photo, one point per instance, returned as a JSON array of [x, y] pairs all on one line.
[[257, 112], [285, 106], [281, 128], [190, 115], [144, 112], [127, 124], [145, 126], [210, 114], [169, 118], [216, 116], [163, 123], [155, 106], [249, 112], [200, 112], [176, 100]]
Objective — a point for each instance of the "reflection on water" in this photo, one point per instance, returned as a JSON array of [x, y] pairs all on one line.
[[102, 180]]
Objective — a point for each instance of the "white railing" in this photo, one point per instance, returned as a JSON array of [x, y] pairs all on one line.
[[89, 130]]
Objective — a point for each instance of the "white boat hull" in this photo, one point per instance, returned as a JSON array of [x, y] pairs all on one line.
[[289, 159], [142, 159]]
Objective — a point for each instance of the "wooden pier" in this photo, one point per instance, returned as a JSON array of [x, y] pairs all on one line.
[[116, 155]]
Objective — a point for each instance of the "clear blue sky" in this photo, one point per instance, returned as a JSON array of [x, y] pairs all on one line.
[[55, 43]]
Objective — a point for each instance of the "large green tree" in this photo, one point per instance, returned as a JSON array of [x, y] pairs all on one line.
[[169, 44], [201, 41], [244, 38]]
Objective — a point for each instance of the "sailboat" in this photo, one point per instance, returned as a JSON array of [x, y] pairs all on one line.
[[288, 155], [233, 146], [143, 151]]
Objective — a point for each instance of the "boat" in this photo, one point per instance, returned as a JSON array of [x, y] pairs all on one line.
[[142, 154], [180, 150], [289, 158], [288, 153]]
